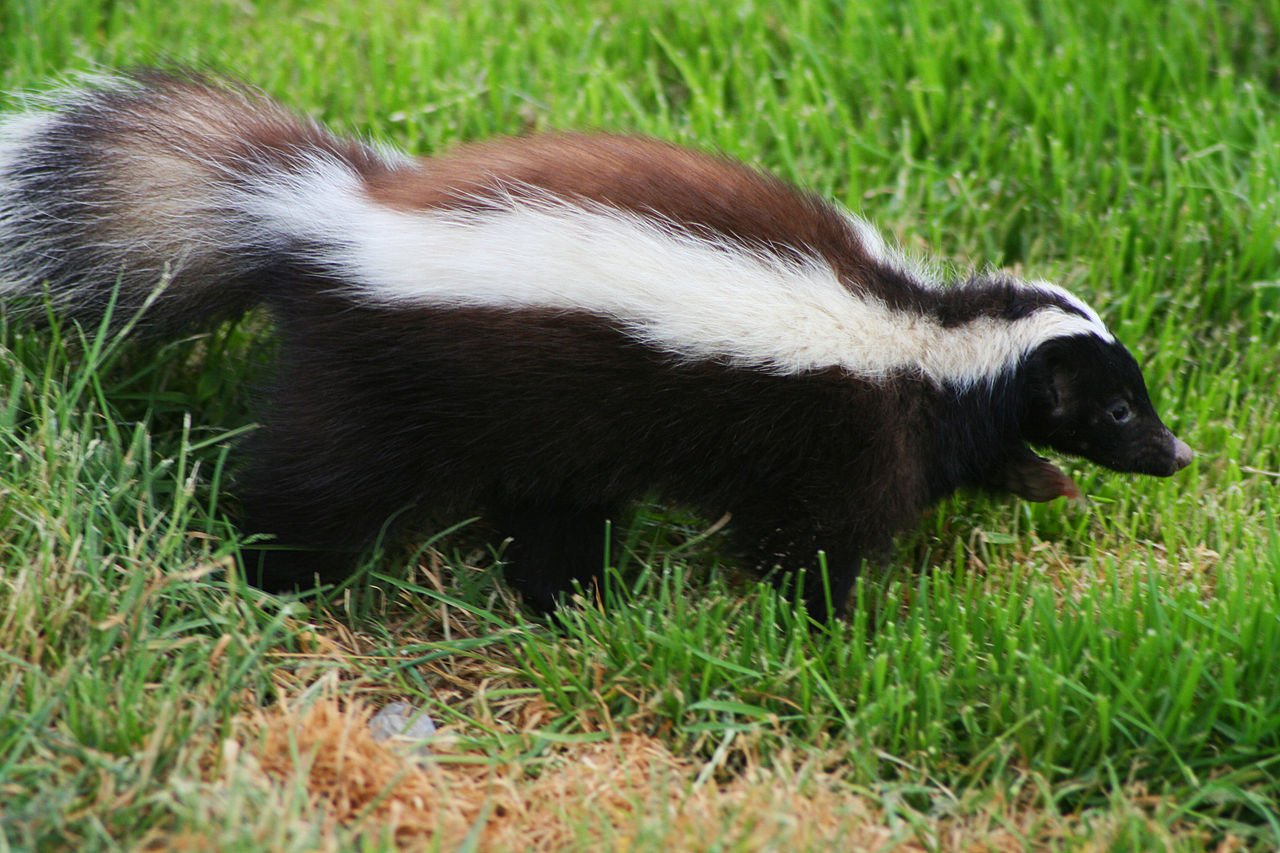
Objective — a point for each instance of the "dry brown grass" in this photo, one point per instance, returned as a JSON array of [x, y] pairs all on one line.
[[627, 791]]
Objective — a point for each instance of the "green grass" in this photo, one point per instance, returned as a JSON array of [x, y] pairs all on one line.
[[1101, 676]]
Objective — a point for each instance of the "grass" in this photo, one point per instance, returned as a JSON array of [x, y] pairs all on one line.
[[1060, 677]]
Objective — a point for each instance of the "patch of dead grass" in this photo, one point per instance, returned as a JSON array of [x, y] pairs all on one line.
[[625, 791]]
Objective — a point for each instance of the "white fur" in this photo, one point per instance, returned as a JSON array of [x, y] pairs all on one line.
[[17, 131], [886, 254], [692, 297]]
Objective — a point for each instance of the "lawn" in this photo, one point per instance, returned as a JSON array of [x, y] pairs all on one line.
[[1092, 675]]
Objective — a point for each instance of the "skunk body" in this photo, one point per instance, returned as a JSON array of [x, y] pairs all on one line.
[[548, 328]]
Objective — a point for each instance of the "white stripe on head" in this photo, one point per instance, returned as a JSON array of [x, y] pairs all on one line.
[[1075, 302], [696, 298]]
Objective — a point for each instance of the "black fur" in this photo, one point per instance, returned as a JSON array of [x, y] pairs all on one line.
[[552, 423]]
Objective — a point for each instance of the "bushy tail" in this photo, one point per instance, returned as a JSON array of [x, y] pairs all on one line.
[[122, 185]]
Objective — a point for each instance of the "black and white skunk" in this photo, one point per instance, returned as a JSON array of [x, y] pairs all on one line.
[[548, 328]]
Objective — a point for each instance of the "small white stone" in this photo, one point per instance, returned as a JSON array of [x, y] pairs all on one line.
[[403, 725]]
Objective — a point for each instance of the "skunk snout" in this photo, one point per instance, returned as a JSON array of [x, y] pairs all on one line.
[[1167, 458], [1182, 454]]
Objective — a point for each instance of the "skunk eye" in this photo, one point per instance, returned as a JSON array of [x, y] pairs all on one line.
[[1120, 413]]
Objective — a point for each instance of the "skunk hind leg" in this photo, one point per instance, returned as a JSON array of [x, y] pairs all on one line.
[[553, 544]]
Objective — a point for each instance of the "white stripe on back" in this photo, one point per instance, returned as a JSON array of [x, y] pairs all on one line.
[[693, 297]]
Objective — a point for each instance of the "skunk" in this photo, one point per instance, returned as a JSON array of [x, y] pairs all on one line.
[[548, 328]]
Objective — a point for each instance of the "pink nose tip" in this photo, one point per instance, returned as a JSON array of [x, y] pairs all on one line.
[[1182, 454]]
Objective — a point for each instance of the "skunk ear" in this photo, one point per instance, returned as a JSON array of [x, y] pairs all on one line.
[[1053, 386], [1049, 377]]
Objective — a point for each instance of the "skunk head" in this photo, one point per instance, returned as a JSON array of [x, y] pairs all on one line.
[[1086, 396]]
